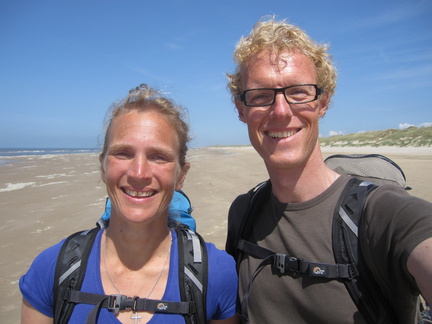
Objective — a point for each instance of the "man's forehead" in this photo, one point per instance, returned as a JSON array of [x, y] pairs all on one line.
[[278, 59]]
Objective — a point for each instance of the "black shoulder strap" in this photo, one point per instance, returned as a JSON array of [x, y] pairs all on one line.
[[70, 271], [362, 288], [72, 263], [245, 221], [193, 273]]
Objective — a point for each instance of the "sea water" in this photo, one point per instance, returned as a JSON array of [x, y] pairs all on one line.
[[7, 153]]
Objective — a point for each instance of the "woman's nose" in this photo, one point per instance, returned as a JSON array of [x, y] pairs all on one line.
[[140, 168]]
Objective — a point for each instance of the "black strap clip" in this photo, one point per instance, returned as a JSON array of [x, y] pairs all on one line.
[[114, 302], [283, 262], [279, 262], [119, 302]]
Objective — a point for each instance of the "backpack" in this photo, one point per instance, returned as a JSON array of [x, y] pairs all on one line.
[[350, 268], [180, 209], [71, 267]]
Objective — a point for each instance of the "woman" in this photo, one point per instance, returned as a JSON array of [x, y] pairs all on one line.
[[143, 161]]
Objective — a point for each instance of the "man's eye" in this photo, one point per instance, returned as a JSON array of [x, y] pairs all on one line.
[[261, 96], [300, 93], [258, 97], [297, 92]]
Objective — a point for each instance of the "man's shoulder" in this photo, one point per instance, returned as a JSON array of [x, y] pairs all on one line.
[[239, 209], [245, 198], [390, 197]]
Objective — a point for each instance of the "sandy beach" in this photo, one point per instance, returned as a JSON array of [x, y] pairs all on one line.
[[45, 198]]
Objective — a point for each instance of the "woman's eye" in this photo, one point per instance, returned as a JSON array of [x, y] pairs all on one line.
[[160, 158], [121, 154]]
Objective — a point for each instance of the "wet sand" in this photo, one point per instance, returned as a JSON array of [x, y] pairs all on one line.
[[45, 198]]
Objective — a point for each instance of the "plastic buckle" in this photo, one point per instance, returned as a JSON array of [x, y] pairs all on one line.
[[135, 302], [279, 262], [294, 264], [118, 302], [114, 302]]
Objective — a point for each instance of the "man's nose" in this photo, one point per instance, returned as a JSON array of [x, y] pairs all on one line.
[[281, 108]]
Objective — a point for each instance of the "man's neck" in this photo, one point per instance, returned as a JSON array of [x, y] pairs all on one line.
[[294, 184]]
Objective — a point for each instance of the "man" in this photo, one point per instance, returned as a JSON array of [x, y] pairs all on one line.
[[282, 85]]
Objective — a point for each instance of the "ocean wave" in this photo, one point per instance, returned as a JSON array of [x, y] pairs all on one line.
[[43, 151]]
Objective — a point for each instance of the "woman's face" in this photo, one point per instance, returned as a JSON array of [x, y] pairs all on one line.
[[141, 166]]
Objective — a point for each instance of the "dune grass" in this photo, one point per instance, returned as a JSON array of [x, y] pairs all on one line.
[[409, 137]]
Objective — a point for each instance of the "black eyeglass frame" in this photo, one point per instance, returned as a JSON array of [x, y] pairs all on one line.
[[318, 92]]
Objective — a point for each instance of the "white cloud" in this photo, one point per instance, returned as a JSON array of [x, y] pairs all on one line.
[[335, 133], [424, 125], [405, 125]]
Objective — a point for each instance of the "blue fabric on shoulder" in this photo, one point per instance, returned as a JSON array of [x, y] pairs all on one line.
[[180, 209]]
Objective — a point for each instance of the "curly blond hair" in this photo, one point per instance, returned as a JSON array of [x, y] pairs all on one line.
[[143, 98], [279, 37]]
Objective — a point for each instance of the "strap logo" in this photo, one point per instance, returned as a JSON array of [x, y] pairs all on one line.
[[162, 306], [318, 271]]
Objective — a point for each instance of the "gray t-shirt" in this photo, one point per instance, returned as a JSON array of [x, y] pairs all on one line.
[[304, 230]]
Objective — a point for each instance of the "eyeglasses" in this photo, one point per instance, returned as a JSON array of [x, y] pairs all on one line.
[[296, 94]]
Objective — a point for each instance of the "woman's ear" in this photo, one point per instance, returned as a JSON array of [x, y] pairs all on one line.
[[182, 177], [102, 167]]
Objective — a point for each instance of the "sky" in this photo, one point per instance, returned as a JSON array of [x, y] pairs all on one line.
[[63, 63]]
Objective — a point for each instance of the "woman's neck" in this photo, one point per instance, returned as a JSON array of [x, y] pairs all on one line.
[[136, 244]]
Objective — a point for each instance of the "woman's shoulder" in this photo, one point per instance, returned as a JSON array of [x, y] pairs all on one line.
[[50, 253], [216, 256], [36, 284], [219, 258]]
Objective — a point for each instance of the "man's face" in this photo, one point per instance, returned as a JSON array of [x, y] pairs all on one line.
[[285, 135]]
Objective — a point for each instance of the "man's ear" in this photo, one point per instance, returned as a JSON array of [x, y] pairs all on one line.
[[182, 177], [323, 104], [241, 110]]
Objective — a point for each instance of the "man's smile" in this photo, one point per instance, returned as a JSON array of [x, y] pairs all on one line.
[[283, 134]]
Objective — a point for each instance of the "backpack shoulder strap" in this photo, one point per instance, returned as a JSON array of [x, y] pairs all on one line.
[[70, 270], [362, 288], [72, 263], [193, 273], [346, 219], [240, 223]]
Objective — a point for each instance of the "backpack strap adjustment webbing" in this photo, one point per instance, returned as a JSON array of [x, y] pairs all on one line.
[[284, 262], [116, 303]]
